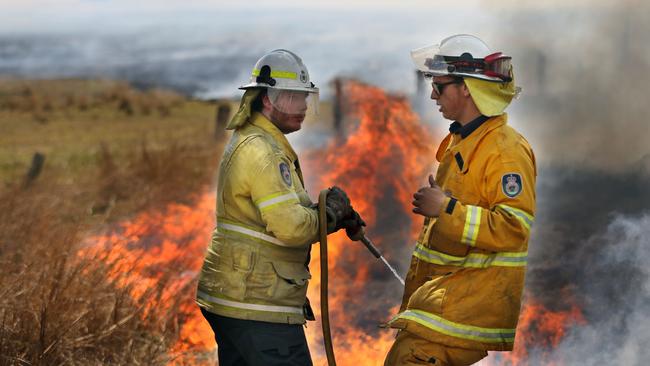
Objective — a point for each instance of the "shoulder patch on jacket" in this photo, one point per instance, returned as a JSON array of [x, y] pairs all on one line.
[[285, 172], [511, 184]]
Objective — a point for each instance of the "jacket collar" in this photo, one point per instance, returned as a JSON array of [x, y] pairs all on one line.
[[465, 147], [470, 127], [259, 120]]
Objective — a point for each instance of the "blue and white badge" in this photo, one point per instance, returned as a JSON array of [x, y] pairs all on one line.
[[285, 172], [511, 184]]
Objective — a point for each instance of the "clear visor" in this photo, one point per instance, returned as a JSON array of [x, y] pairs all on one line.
[[428, 60], [294, 102]]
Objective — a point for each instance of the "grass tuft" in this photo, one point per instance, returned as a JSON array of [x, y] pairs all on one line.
[[61, 303]]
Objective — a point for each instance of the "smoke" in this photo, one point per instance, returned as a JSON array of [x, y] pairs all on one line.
[[583, 67], [153, 58], [573, 204], [583, 110], [584, 101], [613, 286], [208, 51], [589, 247]]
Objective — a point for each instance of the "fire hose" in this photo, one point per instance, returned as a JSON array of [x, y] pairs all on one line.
[[324, 306]]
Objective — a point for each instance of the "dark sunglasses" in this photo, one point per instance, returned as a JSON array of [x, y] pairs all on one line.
[[440, 87]]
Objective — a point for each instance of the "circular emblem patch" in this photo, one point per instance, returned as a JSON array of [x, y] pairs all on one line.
[[285, 173], [511, 184]]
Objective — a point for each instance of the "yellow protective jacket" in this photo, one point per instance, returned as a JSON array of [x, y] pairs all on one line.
[[465, 282], [256, 265]]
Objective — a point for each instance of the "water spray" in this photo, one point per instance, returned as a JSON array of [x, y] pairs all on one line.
[[360, 235]]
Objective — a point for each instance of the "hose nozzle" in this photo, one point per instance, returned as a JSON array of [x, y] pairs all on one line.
[[360, 235]]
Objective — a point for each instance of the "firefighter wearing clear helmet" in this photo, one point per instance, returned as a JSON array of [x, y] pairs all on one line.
[[464, 286], [253, 283]]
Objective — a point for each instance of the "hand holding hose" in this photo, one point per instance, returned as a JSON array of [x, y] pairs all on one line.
[[353, 225], [338, 209], [332, 204]]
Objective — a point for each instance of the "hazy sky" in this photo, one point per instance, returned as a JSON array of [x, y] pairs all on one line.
[[112, 15], [582, 64], [567, 55], [70, 15]]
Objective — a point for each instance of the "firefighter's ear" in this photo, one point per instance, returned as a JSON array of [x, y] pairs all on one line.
[[267, 102], [465, 90]]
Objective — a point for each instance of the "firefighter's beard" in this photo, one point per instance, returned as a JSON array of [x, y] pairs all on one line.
[[287, 122]]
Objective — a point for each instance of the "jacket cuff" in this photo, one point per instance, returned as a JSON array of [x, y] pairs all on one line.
[[448, 206], [451, 221]]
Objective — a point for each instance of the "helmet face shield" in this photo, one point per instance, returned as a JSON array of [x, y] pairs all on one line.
[[426, 61], [294, 102]]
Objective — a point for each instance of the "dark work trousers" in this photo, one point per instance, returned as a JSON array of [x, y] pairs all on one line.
[[254, 343]]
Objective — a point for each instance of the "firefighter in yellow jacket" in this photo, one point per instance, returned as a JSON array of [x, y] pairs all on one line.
[[253, 283], [464, 286]]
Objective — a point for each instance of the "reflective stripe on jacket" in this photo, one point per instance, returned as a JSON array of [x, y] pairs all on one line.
[[256, 265], [466, 278]]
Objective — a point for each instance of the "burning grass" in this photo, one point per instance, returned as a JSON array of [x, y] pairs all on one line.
[[99, 255], [163, 249], [93, 304], [57, 308], [66, 297]]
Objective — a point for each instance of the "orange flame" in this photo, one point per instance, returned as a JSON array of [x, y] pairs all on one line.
[[379, 165], [384, 160], [540, 330], [162, 248]]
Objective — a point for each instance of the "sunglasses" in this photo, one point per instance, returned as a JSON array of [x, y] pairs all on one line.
[[440, 87]]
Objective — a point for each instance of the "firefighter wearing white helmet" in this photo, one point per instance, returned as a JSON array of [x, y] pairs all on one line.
[[466, 58], [464, 286], [286, 80], [253, 283]]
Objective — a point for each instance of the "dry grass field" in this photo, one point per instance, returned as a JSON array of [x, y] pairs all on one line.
[[110, 151]]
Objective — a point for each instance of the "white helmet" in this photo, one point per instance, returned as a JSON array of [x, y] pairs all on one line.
[[286, 79], [281, 69], [463, 55]]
